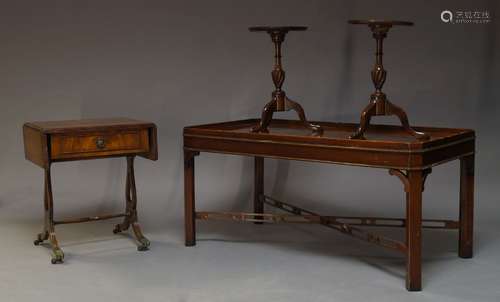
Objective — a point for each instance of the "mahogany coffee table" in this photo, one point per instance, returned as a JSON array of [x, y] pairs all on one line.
[[387, 147]]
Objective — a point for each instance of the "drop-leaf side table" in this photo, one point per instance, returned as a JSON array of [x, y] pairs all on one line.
[[58, 141]]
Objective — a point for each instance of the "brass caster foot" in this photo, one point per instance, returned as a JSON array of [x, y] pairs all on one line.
[[57, 257], [117, 229], [144, 245], [40, 238]]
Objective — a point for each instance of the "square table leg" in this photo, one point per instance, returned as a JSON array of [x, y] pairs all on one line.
[[258, 202], [414, 231], [189, 203], [465, 243]]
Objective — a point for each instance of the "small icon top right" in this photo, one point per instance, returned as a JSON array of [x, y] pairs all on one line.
[[466, 17], [446, 16]]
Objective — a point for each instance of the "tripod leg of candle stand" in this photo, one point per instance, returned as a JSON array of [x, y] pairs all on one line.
[[364, 122], [392, 109], [290, 104], [258, 202], [389, 109], [267, 116]]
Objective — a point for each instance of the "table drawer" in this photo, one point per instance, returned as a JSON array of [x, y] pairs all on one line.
[[99, 144]]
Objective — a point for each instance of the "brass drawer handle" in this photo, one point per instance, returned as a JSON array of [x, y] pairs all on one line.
[[100, 143]]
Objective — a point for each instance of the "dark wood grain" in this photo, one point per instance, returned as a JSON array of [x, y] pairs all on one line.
[[384, 146], [279, 100], [73, 126], [466, 233], [104, 143], [189, 203], [35, 146], [414, 231], [389, 147], [379, 104], [54, 141], [375, 22], [277, 28]]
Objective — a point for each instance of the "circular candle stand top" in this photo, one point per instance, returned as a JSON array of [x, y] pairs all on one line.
[[277, 28], [381, 22]]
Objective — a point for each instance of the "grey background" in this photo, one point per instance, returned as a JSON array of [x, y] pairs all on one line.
[[180, 63]]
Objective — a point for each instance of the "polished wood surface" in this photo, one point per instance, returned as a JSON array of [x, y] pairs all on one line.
[[72, 126], [53, 141], [277, 29], [384, 146], [99, 143], [388, 147], [384, 23], [379, 104], [36, 146], [414, 230], [49, 142], [189, 205], [279, 100], [466, 206]]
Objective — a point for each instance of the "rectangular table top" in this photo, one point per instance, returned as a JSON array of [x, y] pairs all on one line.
[[384, 146], [55, 141], [51, 127]]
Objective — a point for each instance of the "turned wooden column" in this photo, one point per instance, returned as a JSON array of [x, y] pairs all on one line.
[[379, 104], [279, 101]]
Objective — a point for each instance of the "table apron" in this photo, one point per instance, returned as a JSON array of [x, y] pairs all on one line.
[[333, 154]]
